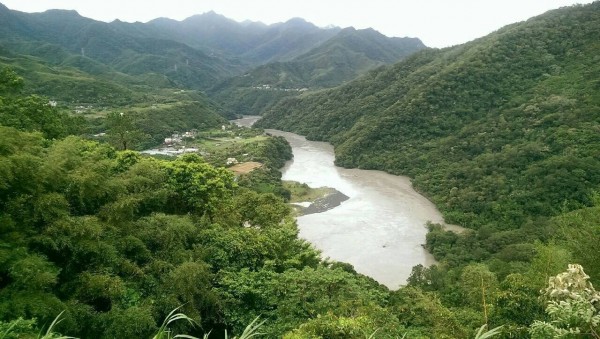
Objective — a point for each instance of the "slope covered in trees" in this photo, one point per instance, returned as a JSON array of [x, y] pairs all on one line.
[[496, 131], [502, 133], [342, 58], [113, 45], [196, 53], [116, 241], [253, 42]]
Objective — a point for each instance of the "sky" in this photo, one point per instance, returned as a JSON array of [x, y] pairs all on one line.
[[438, 23]]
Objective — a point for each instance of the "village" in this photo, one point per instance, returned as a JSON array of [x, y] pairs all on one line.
[[230, 147], [273, 88]]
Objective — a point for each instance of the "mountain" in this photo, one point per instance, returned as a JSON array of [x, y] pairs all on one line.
[[342, 58], [253, 42], [211, 32], [197, 52], [125, 48], [285, 41], [497, 132], [285, 58]]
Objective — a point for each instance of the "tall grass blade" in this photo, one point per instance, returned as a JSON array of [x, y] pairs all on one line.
[[165, 333], [50, 333], [488, 334]]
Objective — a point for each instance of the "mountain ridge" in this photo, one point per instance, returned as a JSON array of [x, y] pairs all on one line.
[[345, 56], [196, 52], [446, 113]]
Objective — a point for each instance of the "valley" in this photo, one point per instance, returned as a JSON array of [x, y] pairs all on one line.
[[379, 229], [387, 189]]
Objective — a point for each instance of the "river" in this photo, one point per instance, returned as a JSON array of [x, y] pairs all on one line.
[[380, 229]]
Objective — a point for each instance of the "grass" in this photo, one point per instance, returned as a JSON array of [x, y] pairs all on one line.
[[221, 143], [165, 333]]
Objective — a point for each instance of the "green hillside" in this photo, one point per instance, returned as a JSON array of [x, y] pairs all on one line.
[[108, 243], [193, 53], [496, 132], [253, 43], [502, 133], [342, 58], [125, 48]]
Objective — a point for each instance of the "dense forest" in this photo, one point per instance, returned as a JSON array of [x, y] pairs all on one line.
[[98, 240], [342, 58], [112, 242], [245, 67], [501, 133]]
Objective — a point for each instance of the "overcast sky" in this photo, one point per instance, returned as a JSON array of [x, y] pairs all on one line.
[[438, 23]]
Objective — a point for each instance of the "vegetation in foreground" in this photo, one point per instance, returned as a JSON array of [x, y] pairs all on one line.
[[500, 133], [118, 240]]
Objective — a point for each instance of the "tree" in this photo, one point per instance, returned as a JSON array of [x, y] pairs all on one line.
[[32, 112], [122, 132], [197, 186], [10, 81], [480, 287]]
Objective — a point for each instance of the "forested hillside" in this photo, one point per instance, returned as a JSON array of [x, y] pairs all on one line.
[[497, 131], [194, 53], [111, 242], [206, 52], [342, 58], [253, 42], [57, 36], [502, 133]]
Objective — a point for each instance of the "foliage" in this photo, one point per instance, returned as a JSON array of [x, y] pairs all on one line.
[[122, 132], [487, 334], [165, 333], [30, 113], [496, 132], [21, 328], [251, 330], [572, 307], [343, 57], [197, 187], [119, 240], [579, 230], [501, 133]]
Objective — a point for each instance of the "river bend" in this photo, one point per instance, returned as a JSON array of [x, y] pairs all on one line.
[[380, 229]]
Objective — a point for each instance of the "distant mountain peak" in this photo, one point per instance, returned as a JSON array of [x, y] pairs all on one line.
[[162, 20], [63, 12], [299, 22], [297, 19], [212, 14], [209, 17]]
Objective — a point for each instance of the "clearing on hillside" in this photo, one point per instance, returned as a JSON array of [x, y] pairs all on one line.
[[245, 167]]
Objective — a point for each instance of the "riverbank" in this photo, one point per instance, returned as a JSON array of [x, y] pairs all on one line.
[[381, 226]]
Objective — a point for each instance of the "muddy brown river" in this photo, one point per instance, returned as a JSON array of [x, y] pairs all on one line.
[[380, 229]]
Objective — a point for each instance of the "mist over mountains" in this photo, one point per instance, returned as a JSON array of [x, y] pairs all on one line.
[[501, 133], [197, 52]]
